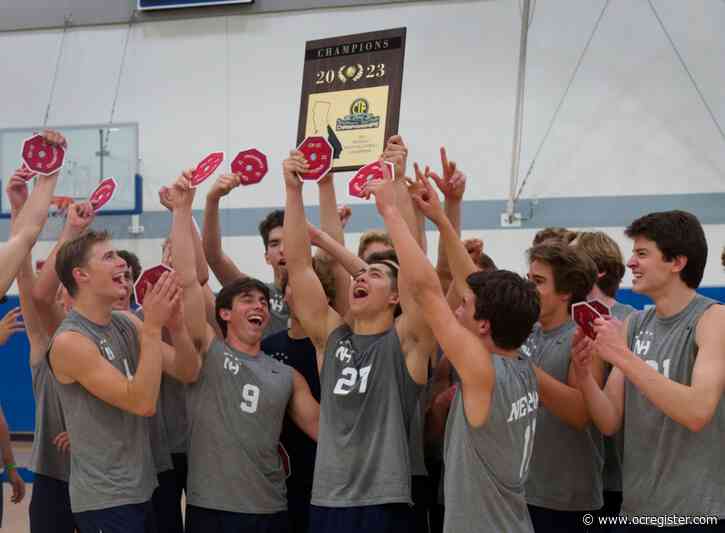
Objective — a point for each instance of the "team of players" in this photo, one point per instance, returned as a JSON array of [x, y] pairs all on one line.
[[371, 356]]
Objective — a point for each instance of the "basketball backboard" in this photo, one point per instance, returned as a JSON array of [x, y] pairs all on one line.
[[95, 152]]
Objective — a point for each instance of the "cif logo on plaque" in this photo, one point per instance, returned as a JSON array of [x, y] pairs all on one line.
[[359, 117]]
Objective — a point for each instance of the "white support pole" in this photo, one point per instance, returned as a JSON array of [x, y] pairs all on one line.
[[518, 114]]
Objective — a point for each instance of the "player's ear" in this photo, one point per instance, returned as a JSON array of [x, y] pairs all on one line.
[[225, 314], [80, 275], [679, 263], [484, 328]]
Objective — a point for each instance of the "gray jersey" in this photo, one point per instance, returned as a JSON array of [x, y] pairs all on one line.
[[278, 311], [669, 469], [158, 436], [614, 445], [574, 484], [46, 459], [417, 456], [236, 409], [173, 405], [367, 401], [487, 466], [111, 462]]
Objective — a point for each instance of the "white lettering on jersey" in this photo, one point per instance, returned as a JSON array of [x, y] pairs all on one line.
[[231, 365], [344, 352], [643, 342], [523, 406]]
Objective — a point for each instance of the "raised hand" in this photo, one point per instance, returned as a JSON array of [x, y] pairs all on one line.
[[292, 167], [397, 153], [57, 138], [10, 323], [474, 247], [383, 190], [426, 198], [17, 188], [161, 300], [345, 213], [453, 182], [80, 217], [223, 186], [54, 137]]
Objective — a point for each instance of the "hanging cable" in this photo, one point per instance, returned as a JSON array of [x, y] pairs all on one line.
[[687, 70], [561, 101], [120, 71], [227, 85], [66, 25]]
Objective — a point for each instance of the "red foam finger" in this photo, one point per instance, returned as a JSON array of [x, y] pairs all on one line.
[[206, 168], [42, 157], [147, 280], [318, 154], [251, 166], [103, 193]]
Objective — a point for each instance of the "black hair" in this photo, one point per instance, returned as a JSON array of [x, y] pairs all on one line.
[[676, 233], [225, 298], [509, 302], [132, 261], [274, 219]]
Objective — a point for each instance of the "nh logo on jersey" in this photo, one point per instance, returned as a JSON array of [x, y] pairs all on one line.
[[276, 302], [523, 406], [344, 351], [106, 349], [643, 342], [526, 350], [231, 364]]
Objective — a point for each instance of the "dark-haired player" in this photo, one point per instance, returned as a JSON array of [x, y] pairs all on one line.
[[270, 229], [237, 401], [666, 390], [560, 492], [371, 373], [490, 432]]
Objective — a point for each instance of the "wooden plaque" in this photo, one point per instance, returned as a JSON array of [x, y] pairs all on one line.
[[351, 90]]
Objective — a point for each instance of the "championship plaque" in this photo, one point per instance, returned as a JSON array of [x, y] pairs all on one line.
[[351, 90]]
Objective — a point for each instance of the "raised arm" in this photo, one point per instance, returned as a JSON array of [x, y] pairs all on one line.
[[30, 222], [79, 218], [318, 319], [74, 358], [331, 224], [465, 352], [221, 265], [202, 267], [461, 264], [349, 261], [691, 405], [452, 184], [182, 250]]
